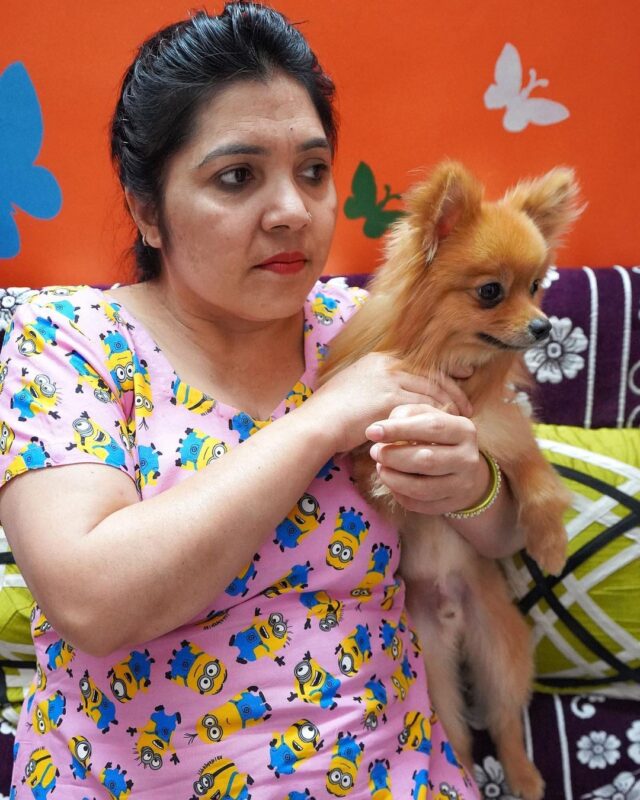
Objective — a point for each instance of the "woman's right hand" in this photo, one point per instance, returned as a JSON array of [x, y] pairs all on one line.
[[369, 389]]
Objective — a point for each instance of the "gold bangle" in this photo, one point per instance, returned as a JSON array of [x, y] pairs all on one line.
[[489, 500]]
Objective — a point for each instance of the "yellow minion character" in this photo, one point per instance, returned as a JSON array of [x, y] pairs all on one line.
[[416, 734], [344, 765], [402, 678], [354, 650], [48, 713], [349, 533], [7, 437], [324, 308], [192, 399], [192, 667], [320, 605], [131, 675], [80, 749], [265, 637], [96, 705], [247, 708], [313, 684], [143, 399], [219, 778], [298, 395], [303, 518], [154, 741], [390, 593], [289, 749], [40, 773]]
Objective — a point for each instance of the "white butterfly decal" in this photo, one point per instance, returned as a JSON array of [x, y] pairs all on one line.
[[508, 92]]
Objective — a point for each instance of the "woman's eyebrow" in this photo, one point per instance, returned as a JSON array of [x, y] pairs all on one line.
[[245, 149]]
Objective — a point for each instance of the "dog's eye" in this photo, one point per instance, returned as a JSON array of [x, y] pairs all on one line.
[[534, 287], [490, 293]]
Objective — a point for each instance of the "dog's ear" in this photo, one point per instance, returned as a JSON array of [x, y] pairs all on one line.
[[449, 199], [552, 202]]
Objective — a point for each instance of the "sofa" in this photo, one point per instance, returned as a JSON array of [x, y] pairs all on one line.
[[583, 724]]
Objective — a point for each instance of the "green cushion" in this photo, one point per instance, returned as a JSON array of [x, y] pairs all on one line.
[[586, 623], [17, 658]]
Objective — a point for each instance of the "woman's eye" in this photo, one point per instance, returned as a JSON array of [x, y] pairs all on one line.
[[233, 178], [316, 172], [490, 293]]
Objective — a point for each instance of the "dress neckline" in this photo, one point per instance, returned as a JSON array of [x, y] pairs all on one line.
[[223, 409]]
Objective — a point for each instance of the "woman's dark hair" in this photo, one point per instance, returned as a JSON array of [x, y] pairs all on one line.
[[180, 68]]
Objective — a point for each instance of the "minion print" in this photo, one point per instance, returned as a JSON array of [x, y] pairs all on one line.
[[119, 360], [416, 734], [380, 779], [322, 351], [96, 705], [325, 308], [390, 592], [32, 456], [349, 533], [213, 619], [197, 670], [377, 569], [131, 675], [4, 367], [265, 637], [313, 684], [375, 701], [93, 440], [298, 743], [192, 399], [87, 376], [47, 714], [245, 426], [247, 708], [196, 449], [402, 679], [303, 518], [327, 610], [111, 311], [115, 781], [344, 765], [80, 749], [40, 773], [142, 397], [219, 779], [65, 308], [447, 792], [295, 580], [40, 625], [239, 586], [36, 336], [154, 741], [59, 654], [354, 650], [328, 470], [148, 470], [7, 437], [37, 396], [391, 642], [38, 684], [421, 785], [298, 394]]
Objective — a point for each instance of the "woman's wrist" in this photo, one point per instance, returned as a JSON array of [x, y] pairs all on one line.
[[489, 495]]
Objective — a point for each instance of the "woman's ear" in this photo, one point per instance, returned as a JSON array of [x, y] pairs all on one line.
[[145, 217]]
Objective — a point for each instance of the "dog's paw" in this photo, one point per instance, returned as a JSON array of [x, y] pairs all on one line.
[[549, 551], [527, 783]]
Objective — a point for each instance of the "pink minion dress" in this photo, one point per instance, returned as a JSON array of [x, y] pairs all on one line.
[[302, 680]]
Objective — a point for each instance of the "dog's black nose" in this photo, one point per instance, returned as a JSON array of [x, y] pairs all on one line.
[[539, 328]]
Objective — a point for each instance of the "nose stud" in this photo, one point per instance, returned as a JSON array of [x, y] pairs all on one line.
[[309, 216]]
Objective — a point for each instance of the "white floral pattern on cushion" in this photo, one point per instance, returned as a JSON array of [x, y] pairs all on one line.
[[558, 357], [625, 786], [598, 749], [491, 781], [9, 299], [633, 735]]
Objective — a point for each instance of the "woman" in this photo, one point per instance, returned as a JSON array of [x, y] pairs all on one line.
[[197, 589]]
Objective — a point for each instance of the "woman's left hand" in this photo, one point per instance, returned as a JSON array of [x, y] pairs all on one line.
[[429, 459]]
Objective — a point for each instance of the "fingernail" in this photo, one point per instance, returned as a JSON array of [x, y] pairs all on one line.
[[375, 450], [374, 431], [378, 467]]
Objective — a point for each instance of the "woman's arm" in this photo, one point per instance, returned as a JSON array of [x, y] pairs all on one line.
[[111, 571]]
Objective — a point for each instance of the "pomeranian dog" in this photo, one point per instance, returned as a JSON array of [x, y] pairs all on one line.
[[460, 288]]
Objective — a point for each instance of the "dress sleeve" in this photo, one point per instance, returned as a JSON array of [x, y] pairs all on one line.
[[61, 399]]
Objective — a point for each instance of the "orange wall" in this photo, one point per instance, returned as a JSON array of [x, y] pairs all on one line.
[[411, 78]]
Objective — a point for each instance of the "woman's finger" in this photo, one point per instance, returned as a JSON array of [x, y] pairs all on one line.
[[417, 487], [431, 426], [420, 459], [442, 388]]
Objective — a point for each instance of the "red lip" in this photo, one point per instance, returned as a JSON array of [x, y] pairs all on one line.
[[284, 263]]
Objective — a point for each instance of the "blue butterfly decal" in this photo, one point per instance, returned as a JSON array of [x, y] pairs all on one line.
[[23, 185]]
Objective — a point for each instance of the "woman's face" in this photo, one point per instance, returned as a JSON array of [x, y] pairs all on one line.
[[249, 204]]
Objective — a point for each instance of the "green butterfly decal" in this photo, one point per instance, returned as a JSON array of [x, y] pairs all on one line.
[[363, 203]]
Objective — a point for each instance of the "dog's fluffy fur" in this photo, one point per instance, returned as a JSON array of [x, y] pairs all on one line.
[[426, 308]]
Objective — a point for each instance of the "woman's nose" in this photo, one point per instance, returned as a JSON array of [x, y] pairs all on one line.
[[285, 208]]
